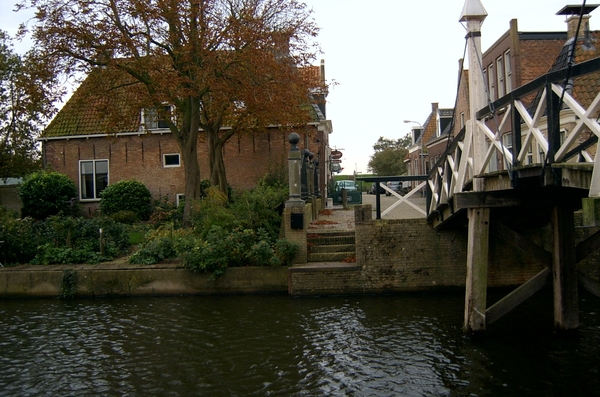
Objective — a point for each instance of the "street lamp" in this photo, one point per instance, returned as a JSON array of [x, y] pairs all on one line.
[[421, 155]]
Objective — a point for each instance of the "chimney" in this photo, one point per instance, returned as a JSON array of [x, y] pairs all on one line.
[[573, 21], [434, 107], [572, 12]]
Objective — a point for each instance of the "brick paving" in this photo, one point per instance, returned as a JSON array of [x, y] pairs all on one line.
[[339, 219]]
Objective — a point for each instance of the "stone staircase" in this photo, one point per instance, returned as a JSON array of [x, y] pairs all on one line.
[[331, 246]]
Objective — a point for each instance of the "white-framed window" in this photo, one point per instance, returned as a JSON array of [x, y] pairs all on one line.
[[156, 119], [507, 141], [462, 120], [93, 179], [171, 160], [507, 72], [416, 132], [492, 82], [500, 73], [485, 78], [179, 197], [529, 158]]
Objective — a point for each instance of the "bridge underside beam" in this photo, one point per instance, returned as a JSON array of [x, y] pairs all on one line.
[[539, 197], [591, 285], [518, 296], [587, 246]]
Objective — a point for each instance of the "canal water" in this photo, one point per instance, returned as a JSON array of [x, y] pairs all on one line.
[[396, 345]]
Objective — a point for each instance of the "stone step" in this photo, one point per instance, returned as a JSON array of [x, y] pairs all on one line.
[[314, 249], [338, 238], [330, 256]]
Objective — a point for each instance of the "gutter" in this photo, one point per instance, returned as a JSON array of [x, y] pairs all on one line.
[[161, 131]]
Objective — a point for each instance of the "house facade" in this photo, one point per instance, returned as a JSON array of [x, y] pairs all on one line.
[[79, 144], [424, 150]]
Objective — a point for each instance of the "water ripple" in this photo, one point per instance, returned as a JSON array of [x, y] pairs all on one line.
[[279, 346]]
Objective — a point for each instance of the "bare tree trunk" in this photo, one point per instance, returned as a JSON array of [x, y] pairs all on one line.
[[189, 151], [188, 143], [218, 175]]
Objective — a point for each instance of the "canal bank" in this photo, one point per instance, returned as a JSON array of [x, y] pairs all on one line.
[[121, 279], [390, 256]]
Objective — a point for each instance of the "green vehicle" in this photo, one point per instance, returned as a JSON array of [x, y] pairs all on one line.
[[354, 195]]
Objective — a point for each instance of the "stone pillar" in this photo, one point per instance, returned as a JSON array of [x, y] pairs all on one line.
[[294, 166], [294, 214]]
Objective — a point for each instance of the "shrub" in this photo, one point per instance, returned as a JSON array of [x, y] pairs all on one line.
[[44, 194], [153, 252], [240, 247], [166, 211], [261, 207], [130, 195], [211, 211], [127, 217], [51, 255], [286, 251], [60, 239], [20, 239], [162, 243]]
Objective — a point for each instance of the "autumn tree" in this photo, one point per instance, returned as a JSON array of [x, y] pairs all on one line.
[[23, 110], [389, 156], [221, 66]]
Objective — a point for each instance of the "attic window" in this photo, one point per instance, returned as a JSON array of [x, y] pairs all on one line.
[[154, 119], [171, 160]]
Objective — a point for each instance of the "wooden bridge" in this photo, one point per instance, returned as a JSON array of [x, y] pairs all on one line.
[[549, 168], [525, 160]]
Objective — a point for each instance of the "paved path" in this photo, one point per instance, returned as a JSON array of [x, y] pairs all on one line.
[[402, 211], [339, 219]]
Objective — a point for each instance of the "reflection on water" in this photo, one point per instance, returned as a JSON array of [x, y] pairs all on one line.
[[401, 345]]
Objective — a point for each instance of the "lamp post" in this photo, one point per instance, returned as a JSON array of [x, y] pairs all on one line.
[[421, 155]]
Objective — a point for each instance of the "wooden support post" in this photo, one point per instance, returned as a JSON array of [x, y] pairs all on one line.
[[477, 268], [566, 307]]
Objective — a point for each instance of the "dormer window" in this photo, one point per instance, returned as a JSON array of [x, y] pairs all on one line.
[[416, 133], [155, 119]]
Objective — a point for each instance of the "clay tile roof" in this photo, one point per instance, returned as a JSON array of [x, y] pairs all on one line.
[[93, 113], [587, 87], [86, 113]]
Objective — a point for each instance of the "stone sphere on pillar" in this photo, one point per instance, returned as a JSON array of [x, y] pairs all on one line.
[[293, 138]]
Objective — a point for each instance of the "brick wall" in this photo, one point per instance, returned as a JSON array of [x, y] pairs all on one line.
[[537, 56], [247, 158]]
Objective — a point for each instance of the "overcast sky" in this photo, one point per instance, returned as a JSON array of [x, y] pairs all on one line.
[[392, 59]]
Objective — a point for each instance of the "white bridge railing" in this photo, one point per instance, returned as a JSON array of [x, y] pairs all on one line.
[[527, 129]]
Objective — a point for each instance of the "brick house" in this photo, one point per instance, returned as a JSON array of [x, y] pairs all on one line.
[[425, 149], [583, 89], [515, 59], [79, 144], [537, 54]]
